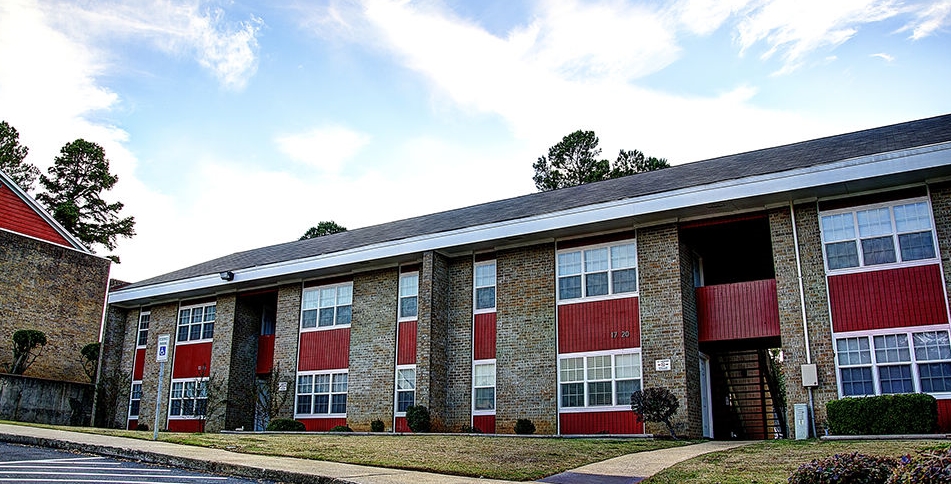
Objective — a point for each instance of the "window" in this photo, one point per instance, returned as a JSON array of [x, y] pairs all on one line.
[[409, 290], [902, 362], [878, 234], [485, 286], [483, 387], [597, 271], [135, 399], [327, 306], [196, 323], [599, 380], [405, 388], [189, 398], [322, 393], [143, 336]]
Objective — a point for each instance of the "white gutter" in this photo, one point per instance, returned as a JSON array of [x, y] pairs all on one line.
[[881, 164]]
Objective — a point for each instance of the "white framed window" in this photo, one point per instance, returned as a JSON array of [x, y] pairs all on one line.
[[405, 388], [326, 306], [597, 271], [484, 282], [908, 360], [188, 398], [196, 323], [598, 380], [409, 292], [135, 399], [142, 337], [483, 387], [885, 234], [322, 393]]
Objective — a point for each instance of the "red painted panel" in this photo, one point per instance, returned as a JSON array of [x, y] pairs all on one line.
[[322, 424], [406, 344], [892, 298], [185, 425], [401, 425], [188, 359], [484, 336], [944, 416], [133, 424], [325, 350], [17, 216], [598, 325], [485, 423], [265, 354], [622, 422], [139, 366], [738, 311]]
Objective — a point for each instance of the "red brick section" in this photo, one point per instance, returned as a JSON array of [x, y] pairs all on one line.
[[190, 358], [324, 350], [623, 422], [738, 311], [598, 325], [17, 216], [322, 424], [265, 361], [139, 364], [406, 343], [894, 298], [484, 337], [485, 423]]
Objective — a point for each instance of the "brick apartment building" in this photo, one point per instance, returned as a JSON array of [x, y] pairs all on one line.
[[555, 306], [49, 282]]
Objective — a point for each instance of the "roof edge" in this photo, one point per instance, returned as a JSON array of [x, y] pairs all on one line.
[[19, 192]]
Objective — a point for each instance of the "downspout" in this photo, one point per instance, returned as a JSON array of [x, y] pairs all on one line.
[[802, 307]]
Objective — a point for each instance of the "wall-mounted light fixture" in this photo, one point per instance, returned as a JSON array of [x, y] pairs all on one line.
[[227, 276]]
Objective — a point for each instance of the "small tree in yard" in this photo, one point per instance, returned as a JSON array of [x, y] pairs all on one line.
[[269, 399], [211, 396], [655, 405], [25, 342], [90, 360], [417, 418]]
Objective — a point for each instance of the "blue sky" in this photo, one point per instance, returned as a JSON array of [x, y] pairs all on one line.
[[234, 125]]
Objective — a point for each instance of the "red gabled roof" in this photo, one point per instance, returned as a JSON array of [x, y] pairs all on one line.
[[19, 213]]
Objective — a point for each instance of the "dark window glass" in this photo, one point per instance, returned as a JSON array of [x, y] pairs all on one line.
[[404, 400], [916, 246], [303, 403], [408, 307], [485, 297], [842, 255], [624, 281], [344, 314], [572, 394], [310, 318], [935, 377], [569, 287], [326, 317], [880, 250], [321, 403], [339, 404], [596, 284], [895, 379], [857, 382]]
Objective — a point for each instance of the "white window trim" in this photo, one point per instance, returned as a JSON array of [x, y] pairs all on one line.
[[584, 356], [396, 390], [197, 381], [495, 386], [178, 316], [475, 288], [138, 331], [874, 365], [131, 386], [300, 325], [862, 267], [399, 297], [610, 270], [331, 394]]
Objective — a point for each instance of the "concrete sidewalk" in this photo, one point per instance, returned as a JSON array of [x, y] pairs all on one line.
[[624, 469]]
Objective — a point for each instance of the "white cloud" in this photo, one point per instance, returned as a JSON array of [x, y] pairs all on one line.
[[703, 17], [885, 57], [326, 148], [932, 17]]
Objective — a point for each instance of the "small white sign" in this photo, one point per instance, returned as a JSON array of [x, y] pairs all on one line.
[[282, 386], [662, 365], [162, 353]]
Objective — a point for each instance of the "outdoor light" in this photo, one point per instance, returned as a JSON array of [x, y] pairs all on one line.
[[227, 276]]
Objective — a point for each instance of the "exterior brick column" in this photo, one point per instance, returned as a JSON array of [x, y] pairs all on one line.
[[431, 336], [790, 309], [372, 377], [458, 411], [241, 362], [669, 324], [526, 357], [941, 208], [220, 374], [115, 366], [286, 339], [164, 320]]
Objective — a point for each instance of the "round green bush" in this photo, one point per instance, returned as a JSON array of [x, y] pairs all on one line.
[[341, 428], [524, 426], [851, 468], [285, 425], [417, 418], [377, 426], [142, 426]]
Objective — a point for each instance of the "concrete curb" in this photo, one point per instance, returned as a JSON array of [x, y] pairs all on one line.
[[887, 437], [175, 461]]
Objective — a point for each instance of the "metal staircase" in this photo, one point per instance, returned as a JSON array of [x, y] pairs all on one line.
[[746, 391]]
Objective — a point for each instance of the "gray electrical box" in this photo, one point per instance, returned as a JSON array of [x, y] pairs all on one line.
[[810, 377], [801, 411]]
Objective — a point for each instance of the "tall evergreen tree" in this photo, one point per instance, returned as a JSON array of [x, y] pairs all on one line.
[[574, 161], [73, 191], [322, 229], [13, 156]]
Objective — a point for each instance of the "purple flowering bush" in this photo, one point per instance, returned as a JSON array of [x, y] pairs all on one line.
[[851, 468], [931, 468]]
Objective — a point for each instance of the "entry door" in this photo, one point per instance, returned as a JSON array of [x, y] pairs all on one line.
[[705, 409]]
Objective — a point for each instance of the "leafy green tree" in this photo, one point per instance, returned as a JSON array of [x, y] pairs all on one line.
[[12, 156], [25, 342], [656, 404], [73, 195], [575, 161], [90, 360], [322, 229]]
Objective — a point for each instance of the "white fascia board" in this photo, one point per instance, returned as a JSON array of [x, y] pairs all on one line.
[[844, 171]]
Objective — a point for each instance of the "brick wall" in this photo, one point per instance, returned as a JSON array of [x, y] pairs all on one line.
[[116, 360], [286, 339], [373, 349], [668, 324], [431, 344], [241, 362], [56, 290], [164, 320], [458, 408], [526, 373], [941, 208], [790, 309]]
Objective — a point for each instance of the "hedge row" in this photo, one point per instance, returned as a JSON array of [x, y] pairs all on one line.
[[907, 413]]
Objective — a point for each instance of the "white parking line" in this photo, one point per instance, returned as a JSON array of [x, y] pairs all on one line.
[[50, 473], [74, 460]]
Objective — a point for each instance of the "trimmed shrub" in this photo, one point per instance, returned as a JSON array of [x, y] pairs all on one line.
[[377, 426], [930, 469], [142, 426], [285, 425], [852, 468], [417, 418], [655, 404], [524, 426], [341, 428], [907, 413]]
